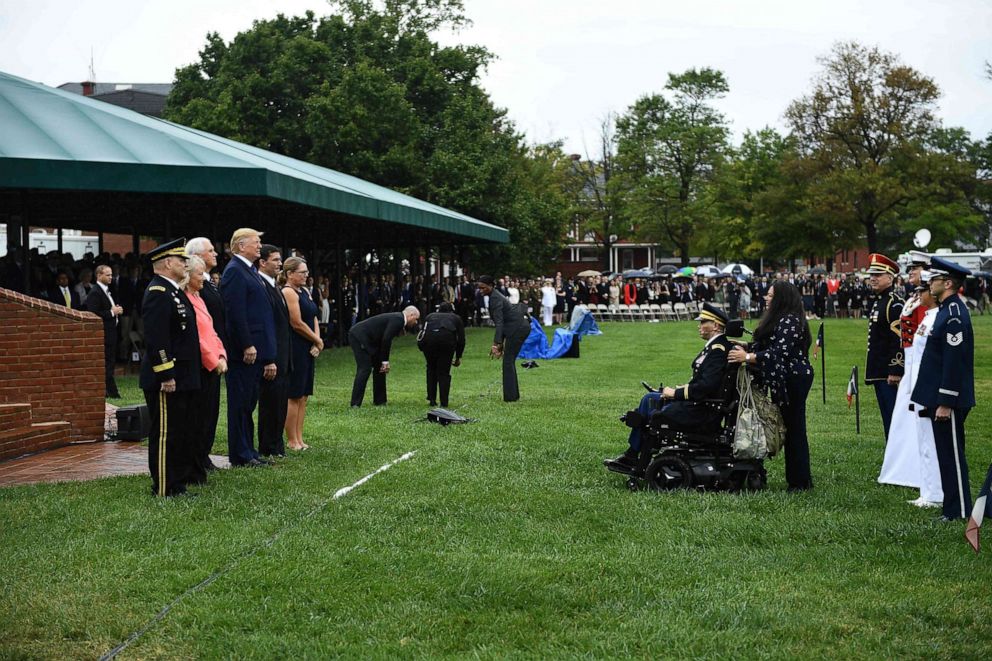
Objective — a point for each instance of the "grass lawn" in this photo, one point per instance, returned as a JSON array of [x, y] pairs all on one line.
[[506, 538]]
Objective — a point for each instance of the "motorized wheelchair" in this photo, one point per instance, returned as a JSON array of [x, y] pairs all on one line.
[[701, 458]]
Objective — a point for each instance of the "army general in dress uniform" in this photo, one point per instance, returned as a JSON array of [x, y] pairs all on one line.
[[885, 363], [946, 384], [170, 371], [686, 407]]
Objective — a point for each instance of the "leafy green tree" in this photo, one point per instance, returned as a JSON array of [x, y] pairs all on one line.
[[367, 91], [597, 195], [861, 134], [949, 202], [747, 173], [669, 150]]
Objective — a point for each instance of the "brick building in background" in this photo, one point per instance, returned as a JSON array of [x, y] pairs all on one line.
[[51, 375]]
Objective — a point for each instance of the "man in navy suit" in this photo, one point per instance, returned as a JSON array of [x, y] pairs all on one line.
[[101, 303], [273, 399], [251, 343]]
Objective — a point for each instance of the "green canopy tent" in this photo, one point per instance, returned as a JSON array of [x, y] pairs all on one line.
[[71, 161]]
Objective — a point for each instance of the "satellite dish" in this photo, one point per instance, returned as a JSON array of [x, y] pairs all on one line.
[[921, 239]]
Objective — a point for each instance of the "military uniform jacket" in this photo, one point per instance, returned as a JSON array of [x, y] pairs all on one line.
[[909, 322], [707, 372], [507, 317], [885, 357], [172, 344], [947, 368]]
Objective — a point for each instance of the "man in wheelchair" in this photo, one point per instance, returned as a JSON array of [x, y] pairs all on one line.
[[683, 437], [693, 407]]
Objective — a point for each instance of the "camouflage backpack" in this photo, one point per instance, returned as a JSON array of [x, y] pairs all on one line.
[[760, 430]]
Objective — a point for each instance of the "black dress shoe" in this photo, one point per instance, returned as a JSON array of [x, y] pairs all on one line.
[[256, 463], [210, 467], [798, 489], [947, 519], [625, 464]]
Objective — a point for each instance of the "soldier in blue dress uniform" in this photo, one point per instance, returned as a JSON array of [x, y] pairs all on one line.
[[946, 384], [170, 371], [686, 407], [885, 363]]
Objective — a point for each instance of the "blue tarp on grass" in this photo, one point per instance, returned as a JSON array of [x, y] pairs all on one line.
[[536, 344]]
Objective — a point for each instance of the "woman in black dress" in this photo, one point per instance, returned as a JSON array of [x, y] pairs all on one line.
[[780, 352], [305, 345]]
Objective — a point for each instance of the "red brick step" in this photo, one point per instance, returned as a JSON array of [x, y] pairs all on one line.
[[13, 416], [33, 438]]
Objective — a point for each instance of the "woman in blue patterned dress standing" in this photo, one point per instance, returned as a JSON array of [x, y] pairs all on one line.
[[780, 352]]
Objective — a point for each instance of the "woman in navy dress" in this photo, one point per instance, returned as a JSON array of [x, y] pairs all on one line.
[[780, 352], [305, 346]]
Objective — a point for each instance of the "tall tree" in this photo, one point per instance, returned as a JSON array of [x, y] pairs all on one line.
[[669, 149], [367, 91], [860, 132], [749, 171], [595, 192]]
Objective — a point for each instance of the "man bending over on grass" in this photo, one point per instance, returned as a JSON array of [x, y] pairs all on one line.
[[686, 407]]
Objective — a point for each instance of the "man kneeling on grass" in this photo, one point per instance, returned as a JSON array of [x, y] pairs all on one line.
[[686, 407]]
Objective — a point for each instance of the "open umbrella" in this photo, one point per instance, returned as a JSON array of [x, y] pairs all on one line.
[[667, 269], [687, 271], [817, 270], [708, 271], [738, 269], [638, 273], [588, 273]]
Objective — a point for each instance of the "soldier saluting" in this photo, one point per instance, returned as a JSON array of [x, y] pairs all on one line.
[[946, 384], [885, 364], [170, 371]]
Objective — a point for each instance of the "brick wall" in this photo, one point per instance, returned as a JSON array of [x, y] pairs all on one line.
[[52, 358]]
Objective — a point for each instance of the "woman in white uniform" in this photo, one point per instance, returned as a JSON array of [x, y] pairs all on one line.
[[931, 493], [901, 463], [548, 300]]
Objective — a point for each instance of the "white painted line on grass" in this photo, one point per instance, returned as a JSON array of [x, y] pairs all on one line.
[[135, 635], [346, 490]]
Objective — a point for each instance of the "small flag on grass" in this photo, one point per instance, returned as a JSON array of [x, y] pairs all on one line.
[[852, 386], [982, 509]]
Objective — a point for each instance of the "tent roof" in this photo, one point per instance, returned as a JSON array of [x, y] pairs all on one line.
[[57, 141]]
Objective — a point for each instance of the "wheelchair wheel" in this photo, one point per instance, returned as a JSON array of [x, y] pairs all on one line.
[[668, 472]]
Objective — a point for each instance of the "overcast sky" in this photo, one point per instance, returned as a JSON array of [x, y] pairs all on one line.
[[563, 64]]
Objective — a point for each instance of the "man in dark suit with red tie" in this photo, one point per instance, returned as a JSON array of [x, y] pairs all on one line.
[[101, 303], [251, 344]]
